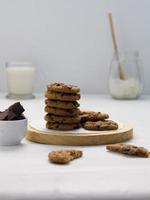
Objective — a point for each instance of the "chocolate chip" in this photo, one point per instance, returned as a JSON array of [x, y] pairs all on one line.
[[70, 111]]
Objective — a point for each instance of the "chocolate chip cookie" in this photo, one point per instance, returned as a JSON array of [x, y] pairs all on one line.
[[62, 96], [59, 126], [129, 149], [62, 112], [100, 125], [92, 116], [63, 120], [64, 156], [62, 104], [63, 88]]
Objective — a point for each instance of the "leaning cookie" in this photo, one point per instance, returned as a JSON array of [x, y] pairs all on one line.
[[63, 127], [63, 120], [100, 125], [129, 149], [62, 104], [62, 87], [92, 116], [62, 112], [62, 96], [64, 156]]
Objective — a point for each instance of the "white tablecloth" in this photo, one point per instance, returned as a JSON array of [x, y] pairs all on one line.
[[25, 172]]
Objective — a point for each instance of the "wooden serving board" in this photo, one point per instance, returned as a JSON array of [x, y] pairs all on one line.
[[39, 134]]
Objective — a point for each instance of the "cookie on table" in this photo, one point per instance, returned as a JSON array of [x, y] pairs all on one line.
[[129, 149], [62, 96], [62, 112], [62, 87], [63, 120], [64, 156], [92, 116], [59, 157], [63, 127], [62, 104], [100, 125]]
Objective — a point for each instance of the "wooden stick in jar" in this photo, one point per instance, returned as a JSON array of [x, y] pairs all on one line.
[[120, 67]]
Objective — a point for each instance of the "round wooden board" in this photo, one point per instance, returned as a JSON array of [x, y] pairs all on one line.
[[80, 137]]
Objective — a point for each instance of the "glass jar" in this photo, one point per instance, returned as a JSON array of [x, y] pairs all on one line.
[[20, 77], [128, 83]]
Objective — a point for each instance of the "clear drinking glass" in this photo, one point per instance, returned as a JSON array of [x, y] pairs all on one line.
[[128, 86], [20, 77]]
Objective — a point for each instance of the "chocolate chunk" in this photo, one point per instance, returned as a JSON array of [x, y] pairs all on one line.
[[16, 108], [4, 114], [19, 117], [14, 112], [11, 115]]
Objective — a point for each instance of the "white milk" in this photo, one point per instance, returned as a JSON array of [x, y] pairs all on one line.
[[20, 79]]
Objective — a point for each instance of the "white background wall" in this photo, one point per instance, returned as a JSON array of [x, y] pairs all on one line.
[[69, 40]]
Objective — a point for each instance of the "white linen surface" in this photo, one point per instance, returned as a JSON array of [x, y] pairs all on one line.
[[26, 174]]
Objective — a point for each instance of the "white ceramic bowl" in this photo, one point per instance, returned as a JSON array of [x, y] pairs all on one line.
[[12, 132]]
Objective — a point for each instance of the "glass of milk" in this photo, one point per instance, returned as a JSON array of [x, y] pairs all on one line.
[[20, 78], [130, 86]]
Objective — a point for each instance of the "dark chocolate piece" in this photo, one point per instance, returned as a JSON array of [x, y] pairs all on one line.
[[4, 114], [11, 115], [19, 117], [16, 108], [14, 112]]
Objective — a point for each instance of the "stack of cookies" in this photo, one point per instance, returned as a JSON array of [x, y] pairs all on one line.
[[62, 106]]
